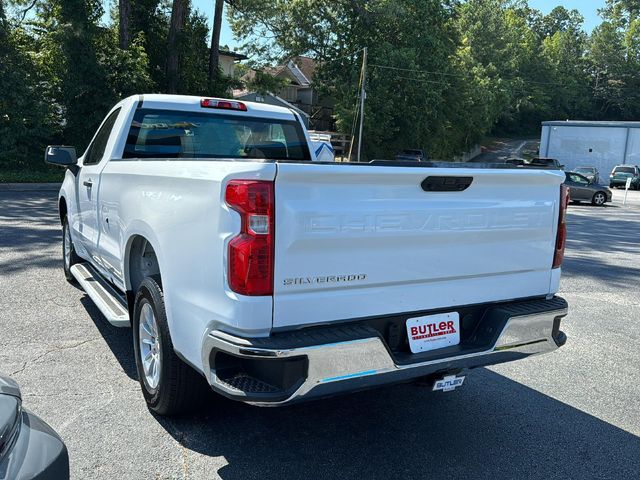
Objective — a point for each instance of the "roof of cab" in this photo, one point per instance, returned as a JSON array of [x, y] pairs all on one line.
[[192, 103]]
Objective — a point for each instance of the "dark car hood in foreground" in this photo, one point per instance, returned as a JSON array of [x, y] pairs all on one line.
[[8, 386], [29, 448]]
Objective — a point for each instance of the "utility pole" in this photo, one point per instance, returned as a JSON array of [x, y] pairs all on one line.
[[362, 96]]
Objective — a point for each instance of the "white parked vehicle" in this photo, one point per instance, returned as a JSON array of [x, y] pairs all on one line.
[[243, 265]]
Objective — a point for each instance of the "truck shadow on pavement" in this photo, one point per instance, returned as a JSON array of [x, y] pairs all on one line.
[[118, 339], [492, 428]]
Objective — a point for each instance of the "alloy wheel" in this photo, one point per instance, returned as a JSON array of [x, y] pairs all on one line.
[[149, 342]]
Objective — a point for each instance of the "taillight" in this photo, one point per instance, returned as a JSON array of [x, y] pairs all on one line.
[[223, 104], [250, 254], [561, 236]]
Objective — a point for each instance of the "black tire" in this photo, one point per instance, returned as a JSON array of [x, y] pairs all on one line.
[[73, 257], [180, 388], [599, 199]]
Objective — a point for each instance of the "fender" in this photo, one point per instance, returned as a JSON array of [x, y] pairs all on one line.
[[139, 228]]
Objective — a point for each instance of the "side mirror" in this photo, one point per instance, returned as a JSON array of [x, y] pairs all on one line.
[[60, 155]]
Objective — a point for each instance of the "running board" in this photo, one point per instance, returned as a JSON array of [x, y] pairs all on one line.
[[112, 305]]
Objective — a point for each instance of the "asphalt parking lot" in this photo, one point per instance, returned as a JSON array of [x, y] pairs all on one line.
[[571, 414]]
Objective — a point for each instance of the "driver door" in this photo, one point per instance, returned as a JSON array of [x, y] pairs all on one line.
[[579, 186], [87, 188]]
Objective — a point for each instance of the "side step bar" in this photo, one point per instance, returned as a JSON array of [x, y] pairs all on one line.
[[112, 305]]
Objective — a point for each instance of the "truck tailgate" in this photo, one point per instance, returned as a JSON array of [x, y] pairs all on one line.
[[355, 241]]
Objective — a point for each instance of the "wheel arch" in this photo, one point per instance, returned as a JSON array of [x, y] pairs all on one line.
[[62, 208], [140, 261]]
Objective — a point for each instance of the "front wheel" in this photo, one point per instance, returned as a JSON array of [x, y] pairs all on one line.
[[169, 385], [599, 199], [69, 256]]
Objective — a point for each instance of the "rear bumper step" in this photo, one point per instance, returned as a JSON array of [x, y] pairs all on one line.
[[112, 305], [301, 365]]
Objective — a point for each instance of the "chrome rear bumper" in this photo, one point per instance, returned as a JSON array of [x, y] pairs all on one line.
[[360, 358]]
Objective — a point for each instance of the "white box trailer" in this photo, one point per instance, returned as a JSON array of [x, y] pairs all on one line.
[[584, 143]]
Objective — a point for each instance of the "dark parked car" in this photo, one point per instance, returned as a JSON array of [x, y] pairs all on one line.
[[29, 448], [545, 162], [583, 190], [520, 162], [619, 175], [411, 156], [591, 173]]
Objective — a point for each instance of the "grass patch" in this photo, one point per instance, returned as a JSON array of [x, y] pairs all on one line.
[[46, 176]]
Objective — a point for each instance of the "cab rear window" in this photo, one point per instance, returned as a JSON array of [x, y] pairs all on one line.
[[177, 134]]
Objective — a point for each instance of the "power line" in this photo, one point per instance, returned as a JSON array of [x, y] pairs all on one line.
[[419, 79], [459, 75], [389, 67]]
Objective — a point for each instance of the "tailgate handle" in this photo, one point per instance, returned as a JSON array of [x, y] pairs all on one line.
[[446, 184]]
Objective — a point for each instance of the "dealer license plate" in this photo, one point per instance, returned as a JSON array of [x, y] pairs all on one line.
[[433, 331]]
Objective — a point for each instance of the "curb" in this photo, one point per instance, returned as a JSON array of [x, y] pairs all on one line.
[[30, 187]]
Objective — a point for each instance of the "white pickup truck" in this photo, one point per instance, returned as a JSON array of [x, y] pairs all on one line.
[[245, 266]]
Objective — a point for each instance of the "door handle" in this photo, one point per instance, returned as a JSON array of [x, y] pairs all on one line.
[[446, 184], [88, 183]]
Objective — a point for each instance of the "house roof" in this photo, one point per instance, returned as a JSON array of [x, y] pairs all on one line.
[[299, 70], [306, 65], [234, 55], [590, 123]]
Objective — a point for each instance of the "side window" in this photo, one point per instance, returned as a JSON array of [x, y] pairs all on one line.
[[579, 179], [576, 178], [95, 152]]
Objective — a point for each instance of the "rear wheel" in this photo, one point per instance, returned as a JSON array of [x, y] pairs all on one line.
[[169, 385], [599, 199], [69, 256]]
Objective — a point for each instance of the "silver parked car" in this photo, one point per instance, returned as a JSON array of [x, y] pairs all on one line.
[[581, 189]]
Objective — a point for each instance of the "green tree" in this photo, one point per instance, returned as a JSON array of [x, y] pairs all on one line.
[[558, 20], [614, 57], [414, 79], [501, 41], [28, 118]]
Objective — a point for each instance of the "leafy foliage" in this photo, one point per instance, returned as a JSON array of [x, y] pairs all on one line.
[[440, 75], [27, 118], [443, 74]]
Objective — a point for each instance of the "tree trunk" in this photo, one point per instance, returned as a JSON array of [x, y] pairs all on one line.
[[214, 53], [178, 15], [124, 12]]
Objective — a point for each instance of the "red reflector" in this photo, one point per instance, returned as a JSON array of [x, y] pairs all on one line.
[[561, 236], [224, 104], [250, 254]]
